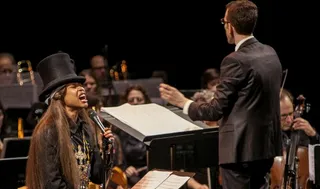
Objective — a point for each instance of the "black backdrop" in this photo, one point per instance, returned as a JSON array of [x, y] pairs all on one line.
[[183, 38]]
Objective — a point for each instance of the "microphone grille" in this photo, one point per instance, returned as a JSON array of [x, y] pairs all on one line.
[[92, 113]]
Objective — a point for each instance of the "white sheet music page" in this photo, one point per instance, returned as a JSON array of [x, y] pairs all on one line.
[[150, 119], [152, 180], [173, 182], [311, 162]]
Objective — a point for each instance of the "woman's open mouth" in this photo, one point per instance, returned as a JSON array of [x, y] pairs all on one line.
[[83, 98]]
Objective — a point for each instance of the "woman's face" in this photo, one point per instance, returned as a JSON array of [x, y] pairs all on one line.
[[90, 85], [135, 97], [75, 96], [212, 86]]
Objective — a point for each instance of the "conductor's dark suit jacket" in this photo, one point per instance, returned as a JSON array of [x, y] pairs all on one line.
[[247, 100]]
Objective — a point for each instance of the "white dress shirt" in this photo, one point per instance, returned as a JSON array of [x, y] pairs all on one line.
[[242, 41]]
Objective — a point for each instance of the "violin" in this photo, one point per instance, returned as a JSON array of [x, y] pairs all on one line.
[[291, 171], [120, 178]]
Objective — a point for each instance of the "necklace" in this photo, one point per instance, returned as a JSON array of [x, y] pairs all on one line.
[[83, 160]]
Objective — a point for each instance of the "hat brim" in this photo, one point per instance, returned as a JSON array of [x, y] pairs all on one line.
[[59, 82]]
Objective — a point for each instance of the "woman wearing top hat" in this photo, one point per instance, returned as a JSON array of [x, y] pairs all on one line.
[[62, 153]]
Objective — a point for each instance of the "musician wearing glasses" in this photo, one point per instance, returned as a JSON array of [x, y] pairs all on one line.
[[63, 153], [288, 122], [134, 151]]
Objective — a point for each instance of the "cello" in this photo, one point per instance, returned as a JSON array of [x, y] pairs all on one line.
[[291, 170]]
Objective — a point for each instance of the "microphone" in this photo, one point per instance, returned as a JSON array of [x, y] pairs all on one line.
[[95, 118]]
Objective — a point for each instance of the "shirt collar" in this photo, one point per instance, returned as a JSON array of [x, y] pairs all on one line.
[[242, 41], [75, 126]]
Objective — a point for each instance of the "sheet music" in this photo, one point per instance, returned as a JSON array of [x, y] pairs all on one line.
[[150, 119], [173, 182], [311, 161], [152, 180]]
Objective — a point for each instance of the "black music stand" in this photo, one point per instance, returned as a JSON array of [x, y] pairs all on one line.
[[179, 150], [150, 85], [18, 100], [15, 147], [13, 172], [19, 97]]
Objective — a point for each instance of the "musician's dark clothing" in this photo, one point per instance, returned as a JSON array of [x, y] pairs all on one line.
[[135, 153], [315, 139], [246, 175], [247, 102], [304, 140], [52, 173]]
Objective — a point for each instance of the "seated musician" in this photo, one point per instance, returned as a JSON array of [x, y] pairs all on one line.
[[206, 96], [134, 151], [95, 103], [92, 86], [309, 136], [7, 68], [210, 78]]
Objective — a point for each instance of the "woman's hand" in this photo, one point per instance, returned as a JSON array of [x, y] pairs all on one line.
[[108, 134]]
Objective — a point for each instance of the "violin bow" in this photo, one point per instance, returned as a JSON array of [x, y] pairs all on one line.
[[285, 72]]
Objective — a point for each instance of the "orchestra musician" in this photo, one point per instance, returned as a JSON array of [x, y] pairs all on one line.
[[279, 175], [309, 136], [246, 101], [62, 153]]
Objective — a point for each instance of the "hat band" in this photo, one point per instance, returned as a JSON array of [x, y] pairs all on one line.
[[47, 101]]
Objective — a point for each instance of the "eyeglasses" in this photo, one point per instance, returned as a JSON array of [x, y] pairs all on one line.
[[223, 22], [284, 116]]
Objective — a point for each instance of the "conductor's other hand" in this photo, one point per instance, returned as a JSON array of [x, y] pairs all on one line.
[[172, 95]]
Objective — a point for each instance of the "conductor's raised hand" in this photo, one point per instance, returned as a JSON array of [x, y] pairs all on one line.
[[172, 95]]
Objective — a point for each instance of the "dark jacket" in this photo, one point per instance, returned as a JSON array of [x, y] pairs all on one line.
[[247, 100], [52, 173]]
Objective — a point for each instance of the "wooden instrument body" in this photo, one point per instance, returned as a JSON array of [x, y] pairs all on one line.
[[277, 170], [119, 177], [278, 167]]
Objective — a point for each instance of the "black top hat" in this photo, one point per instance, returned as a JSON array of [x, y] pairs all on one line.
[[56, 70]]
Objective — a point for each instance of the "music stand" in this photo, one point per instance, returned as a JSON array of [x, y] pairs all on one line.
[[15, 147], [13, 172], [178, 150], [150, 85], [19, 97]]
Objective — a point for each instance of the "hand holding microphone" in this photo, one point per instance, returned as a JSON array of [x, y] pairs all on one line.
[[105, 131]]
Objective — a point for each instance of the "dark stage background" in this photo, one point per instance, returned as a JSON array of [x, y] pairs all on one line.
[[183, 38]]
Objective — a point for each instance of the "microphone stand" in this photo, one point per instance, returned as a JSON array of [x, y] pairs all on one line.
[[107, 157]]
